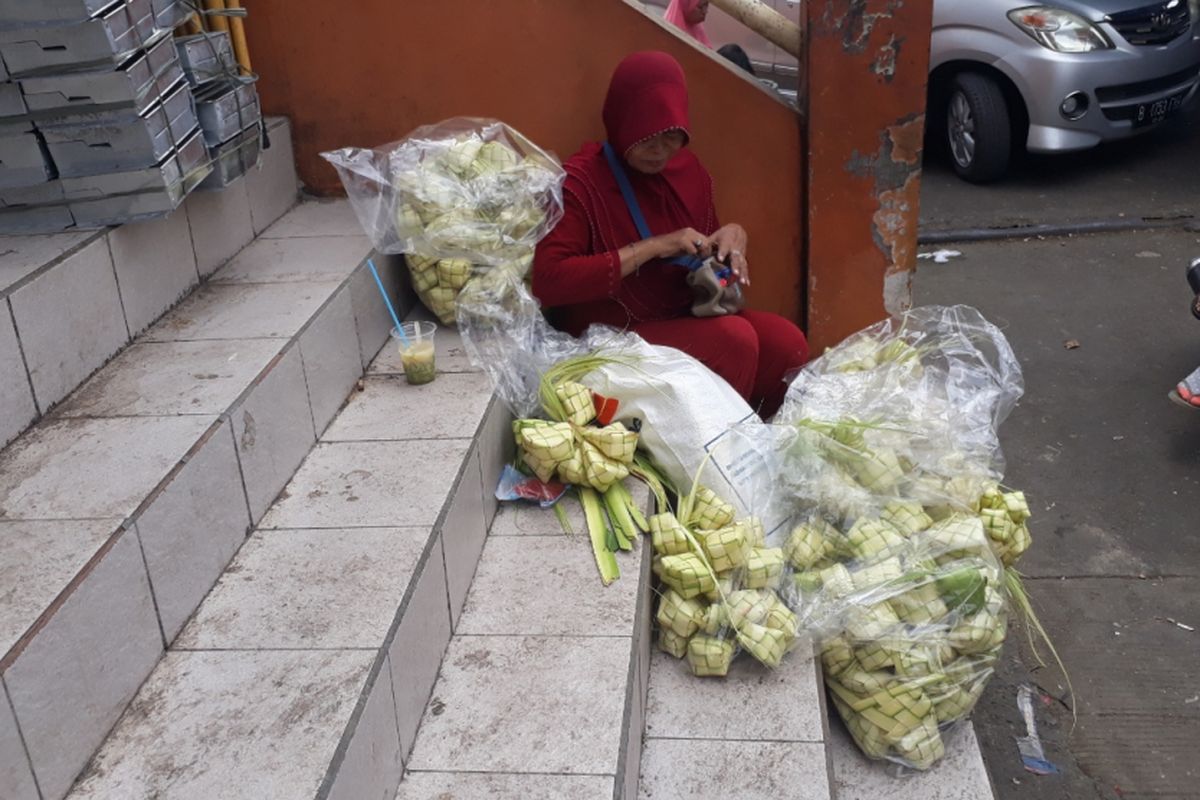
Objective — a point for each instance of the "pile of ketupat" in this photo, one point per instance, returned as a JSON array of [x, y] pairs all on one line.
[[472, 202], [581, 446], [720, 582], [903, 559]]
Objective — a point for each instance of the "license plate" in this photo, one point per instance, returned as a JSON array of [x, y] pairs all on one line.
[[1156, 112]]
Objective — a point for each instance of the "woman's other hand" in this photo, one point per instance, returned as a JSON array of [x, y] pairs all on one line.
[[730, 240]]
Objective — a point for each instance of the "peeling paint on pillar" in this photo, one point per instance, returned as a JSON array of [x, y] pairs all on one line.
[[867, 64]]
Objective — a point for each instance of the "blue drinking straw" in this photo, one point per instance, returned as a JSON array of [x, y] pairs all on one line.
[[388, 302]]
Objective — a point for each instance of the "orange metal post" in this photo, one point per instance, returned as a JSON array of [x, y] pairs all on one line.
[[867, 65]]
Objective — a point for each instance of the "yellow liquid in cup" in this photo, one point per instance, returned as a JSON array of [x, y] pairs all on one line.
[[418, 362]]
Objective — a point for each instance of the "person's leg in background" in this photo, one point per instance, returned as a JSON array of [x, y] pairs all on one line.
[[726, 345], [782, 348]]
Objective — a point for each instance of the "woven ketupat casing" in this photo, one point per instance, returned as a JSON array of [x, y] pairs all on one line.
[[679, 615], [667, 536], [672, 643], [709, 655], [614, 441], [807, 544], [710, 512], [764, 568], [906, 516], [767, 645], [577, 402], [687, 574], [726, 548]]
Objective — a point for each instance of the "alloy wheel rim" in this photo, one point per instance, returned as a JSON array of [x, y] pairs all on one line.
[[961, 127]]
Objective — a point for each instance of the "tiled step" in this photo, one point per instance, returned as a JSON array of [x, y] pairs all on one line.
[[757, 734], [305, 671], [71, 301], [120, 509], [542, 689]]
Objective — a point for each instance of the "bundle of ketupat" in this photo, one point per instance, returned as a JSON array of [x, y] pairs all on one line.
[[720, 585], [459, 198], [911, 614], [900, 558]]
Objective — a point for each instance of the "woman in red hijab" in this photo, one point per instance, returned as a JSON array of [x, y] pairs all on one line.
[[595, 267]]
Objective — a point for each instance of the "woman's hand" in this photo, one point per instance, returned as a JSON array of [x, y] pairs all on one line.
[[731, 240], [683, 242]]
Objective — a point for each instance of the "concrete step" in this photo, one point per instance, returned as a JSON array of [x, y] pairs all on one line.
[[305, 671], [120, 509], [71, 301], [542, 689]]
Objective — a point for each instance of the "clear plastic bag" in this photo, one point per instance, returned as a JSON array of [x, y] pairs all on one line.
[[458, 198], [893, 463]]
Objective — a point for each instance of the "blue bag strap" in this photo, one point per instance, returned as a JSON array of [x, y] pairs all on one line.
[[639, 220]]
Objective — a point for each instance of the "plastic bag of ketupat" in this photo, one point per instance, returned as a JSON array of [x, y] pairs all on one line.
[[458, 198], [900, 555], [720, 578]]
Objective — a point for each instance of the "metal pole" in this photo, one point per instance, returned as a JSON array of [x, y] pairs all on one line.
[[765, 21]]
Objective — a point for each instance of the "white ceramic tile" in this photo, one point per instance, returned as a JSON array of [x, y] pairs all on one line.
[[155, 265], [418, 643], [308, 589], [317, 259], [316, 218], [22, 255], [484, 786], [528, 519], [450, 356], [961, 775], [73, 680], [220, 223], [684, 769], [192, 529], [550, 587], [17, 408], [37, 561], [210, 725], [273, 187], [463, 535], [16, 776], [243, 311], [779, 705], [370, 484], [329, 348], [548, 704], [452, 406], [61, 348], [161, 378], [372, 766], [109, 465], [370, 312], [273, 429]]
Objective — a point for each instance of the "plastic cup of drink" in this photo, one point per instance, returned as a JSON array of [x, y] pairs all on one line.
[[417, 353]]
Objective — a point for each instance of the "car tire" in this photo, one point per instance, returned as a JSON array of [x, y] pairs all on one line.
[[977, 128]]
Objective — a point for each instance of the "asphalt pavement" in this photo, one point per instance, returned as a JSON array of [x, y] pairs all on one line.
[[1155, 177], [1101, 325]]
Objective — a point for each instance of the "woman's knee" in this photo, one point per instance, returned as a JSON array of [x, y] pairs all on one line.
[[779, 337]]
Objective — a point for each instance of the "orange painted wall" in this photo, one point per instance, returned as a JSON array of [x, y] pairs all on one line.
[[366, 72]]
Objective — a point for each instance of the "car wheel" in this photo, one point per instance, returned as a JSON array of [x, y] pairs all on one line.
[[978, 133]]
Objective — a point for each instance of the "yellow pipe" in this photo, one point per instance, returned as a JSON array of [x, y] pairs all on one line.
[[237, 32], [216, 22]]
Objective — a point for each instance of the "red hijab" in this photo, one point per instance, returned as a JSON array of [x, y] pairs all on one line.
[[647, 96]]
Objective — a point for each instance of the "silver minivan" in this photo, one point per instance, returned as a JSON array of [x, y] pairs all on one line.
[[1055, 77]]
